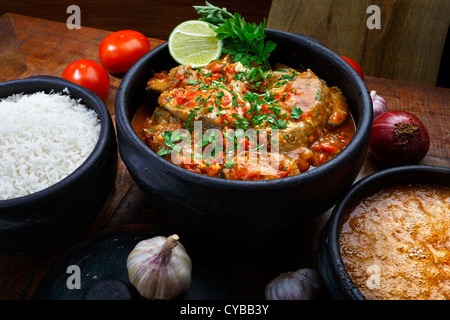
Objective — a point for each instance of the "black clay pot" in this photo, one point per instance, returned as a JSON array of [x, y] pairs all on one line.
[[244, 207], [45, 218], [328, 252]]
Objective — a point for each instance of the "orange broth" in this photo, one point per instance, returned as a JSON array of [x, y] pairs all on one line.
[[395, 244]]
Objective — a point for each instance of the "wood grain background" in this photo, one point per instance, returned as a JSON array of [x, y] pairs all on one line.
[[154, 18], [408, 47]]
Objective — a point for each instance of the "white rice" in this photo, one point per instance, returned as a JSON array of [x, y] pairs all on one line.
[[43, 139]]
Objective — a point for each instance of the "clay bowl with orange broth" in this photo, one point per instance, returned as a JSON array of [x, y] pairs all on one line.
[[388, 238], [246, 207]]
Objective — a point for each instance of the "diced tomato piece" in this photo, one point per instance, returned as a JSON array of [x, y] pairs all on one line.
[[328, 148]]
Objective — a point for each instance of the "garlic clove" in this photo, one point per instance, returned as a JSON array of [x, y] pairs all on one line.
[[378, 103], [303, 284], [160, 268]]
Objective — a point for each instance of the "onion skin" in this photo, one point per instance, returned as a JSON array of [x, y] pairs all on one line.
[[398, 138]]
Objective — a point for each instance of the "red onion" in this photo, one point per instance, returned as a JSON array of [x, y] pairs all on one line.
[[398, 138], [379, 104]]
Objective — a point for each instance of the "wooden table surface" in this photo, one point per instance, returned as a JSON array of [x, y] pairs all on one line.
[[31, 46]]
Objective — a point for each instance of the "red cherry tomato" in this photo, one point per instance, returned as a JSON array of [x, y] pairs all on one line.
[[89, 74], [120, 50], [355, 66]]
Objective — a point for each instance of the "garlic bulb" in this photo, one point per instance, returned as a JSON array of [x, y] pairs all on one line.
[[303, 284], [379, 104], [159, 268]]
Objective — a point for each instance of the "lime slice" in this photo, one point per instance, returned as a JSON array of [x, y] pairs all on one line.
[[194, 43]]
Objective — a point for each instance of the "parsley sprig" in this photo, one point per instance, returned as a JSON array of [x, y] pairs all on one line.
[[244, 41], [212, 14]]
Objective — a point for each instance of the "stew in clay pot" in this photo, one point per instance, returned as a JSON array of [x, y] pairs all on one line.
[[216, 122]]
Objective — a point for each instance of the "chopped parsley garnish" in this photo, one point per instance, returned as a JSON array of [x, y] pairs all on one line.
[[170, 137], [318, 96], [240, 122], [289, 77], [296, 113], [191, 117], [229, 164], [257, 118]]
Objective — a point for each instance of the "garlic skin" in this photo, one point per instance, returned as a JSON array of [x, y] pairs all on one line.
[[379, 104], [303, 284], [160, 268]]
